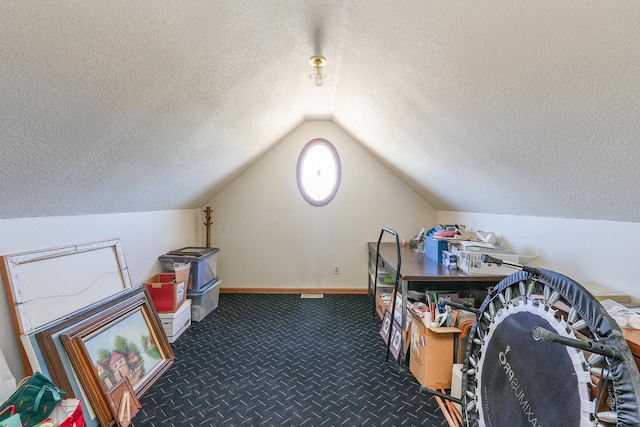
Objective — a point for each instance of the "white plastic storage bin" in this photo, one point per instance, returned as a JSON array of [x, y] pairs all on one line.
[[174, 324], [205, 301], [203, 264]]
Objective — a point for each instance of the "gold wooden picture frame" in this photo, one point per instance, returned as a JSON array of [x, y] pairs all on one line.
[[123, 341], [48, 344]]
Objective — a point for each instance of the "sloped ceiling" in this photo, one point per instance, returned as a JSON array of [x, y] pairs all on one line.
[[515, 107]]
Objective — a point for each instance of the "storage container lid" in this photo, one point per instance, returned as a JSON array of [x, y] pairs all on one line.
[[204, 289], [192, 251]]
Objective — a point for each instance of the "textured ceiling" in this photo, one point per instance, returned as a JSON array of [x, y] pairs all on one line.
[[515, 107]]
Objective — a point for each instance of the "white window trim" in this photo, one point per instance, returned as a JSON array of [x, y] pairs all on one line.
[[336, 157]]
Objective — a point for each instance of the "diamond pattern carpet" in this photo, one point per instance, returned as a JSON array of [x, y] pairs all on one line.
[[280, 360]]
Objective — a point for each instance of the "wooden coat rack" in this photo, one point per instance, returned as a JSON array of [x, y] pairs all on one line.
[[207, 224]]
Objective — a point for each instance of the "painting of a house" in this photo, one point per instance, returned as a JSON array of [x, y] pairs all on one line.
[[115, 351]]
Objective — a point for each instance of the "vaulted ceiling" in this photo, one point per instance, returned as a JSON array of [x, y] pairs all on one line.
[[514, 107]]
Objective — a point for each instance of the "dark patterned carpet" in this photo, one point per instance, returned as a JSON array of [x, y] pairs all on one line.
[[280, 360]]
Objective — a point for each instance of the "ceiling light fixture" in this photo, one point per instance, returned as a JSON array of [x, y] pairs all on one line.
[[316, 75]]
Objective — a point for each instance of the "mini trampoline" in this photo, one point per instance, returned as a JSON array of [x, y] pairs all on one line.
[[543, 352]]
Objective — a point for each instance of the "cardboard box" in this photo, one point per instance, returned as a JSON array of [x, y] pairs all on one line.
[[174, 324], [167, 294], [182, 272], [456, 384], [431, 359], [381, 304]]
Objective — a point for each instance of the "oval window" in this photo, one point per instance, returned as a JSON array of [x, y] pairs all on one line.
[[318, 172]]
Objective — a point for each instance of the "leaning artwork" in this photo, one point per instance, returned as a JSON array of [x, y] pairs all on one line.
[[125, 348], [124, 341], [384, 329]]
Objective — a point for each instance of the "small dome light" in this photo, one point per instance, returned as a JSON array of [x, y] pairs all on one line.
[[316, 75]]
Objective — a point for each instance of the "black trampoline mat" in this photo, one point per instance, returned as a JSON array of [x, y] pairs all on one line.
[[526, 382]]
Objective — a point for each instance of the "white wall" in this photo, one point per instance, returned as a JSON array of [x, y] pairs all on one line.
[[144, 237], [270, 237], [587, 251]]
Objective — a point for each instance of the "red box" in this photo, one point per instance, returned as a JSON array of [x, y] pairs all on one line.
[[167, 295]]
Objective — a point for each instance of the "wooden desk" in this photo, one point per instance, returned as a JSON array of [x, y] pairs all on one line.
[[633, 339], [419, 273]]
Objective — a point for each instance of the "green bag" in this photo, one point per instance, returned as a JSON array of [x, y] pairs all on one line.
[[34, 399]]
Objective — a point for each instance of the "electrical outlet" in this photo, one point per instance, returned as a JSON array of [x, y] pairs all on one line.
[[336, 269]]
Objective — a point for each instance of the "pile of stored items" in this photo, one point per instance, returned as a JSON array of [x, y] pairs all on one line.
[[504, 345], [455, 247]]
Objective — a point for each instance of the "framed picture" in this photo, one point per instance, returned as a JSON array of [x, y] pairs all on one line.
[[123, 341], [48, 347], [86, 274], [123, 402], [396, 340], [386, 324]]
